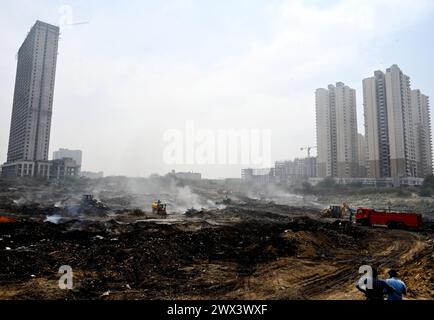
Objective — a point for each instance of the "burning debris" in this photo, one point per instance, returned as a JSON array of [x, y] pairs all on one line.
[[5, 219], [89, 205]]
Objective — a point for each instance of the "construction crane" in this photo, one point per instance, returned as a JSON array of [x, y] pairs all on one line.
[[75, 24], [70, 25], [308, 149]]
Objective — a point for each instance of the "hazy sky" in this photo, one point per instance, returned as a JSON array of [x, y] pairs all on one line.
[[142, 68]]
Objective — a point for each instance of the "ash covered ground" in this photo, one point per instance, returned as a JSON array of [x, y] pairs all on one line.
[[220, 240]]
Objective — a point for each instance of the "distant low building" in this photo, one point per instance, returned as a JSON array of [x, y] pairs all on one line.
[[62, 168], [375, 182], [186, 175], [265, 175], [77, 155], [52, 170], [92, 175], [297, 168]]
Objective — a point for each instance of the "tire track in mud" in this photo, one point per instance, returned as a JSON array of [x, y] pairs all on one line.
[[326, 282], [343, 277]]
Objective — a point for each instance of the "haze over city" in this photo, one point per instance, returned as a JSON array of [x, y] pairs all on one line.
[[133, 72]]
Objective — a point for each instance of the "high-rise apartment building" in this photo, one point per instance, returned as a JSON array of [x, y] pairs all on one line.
[[376, 126], [336, 123], [29, 137], [397, 127], [422, 132], [400, 121]]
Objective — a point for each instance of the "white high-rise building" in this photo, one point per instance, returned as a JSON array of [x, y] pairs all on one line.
[[400, 122], [422, 132], [376, 126], [325, 135], [397, 127], [29, 137], [337, 140]]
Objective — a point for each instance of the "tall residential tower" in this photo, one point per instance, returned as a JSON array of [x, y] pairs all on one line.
[[32, 104], [337, 137], [397, 127], [422, 133]]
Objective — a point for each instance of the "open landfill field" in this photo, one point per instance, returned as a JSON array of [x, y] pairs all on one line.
[[235, 244]]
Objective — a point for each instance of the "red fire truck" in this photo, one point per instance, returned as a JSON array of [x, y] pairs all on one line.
[[390, 219]]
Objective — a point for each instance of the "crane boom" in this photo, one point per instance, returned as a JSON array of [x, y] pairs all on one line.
[[308, 149]]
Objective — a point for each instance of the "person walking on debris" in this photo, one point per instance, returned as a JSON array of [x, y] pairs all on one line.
[[399, 287], [378, 290]]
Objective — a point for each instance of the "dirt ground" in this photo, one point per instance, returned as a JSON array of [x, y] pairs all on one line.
[[256, 250]]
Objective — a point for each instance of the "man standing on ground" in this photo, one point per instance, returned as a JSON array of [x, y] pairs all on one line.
[[378, 290], [399, 287]]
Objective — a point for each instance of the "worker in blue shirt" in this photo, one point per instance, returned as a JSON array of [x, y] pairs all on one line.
[[399, 287], [379, 287]]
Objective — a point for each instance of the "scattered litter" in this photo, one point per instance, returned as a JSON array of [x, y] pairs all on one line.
[[105, 294]]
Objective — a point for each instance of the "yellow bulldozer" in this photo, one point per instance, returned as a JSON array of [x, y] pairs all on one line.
[[159, 208]]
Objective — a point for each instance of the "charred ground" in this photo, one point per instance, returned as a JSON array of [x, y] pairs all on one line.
[[250, 249]]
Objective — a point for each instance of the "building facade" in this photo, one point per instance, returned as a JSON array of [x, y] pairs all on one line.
[[76, 155], [260, 176], [193, 176], [29, 136], [376, 126], [422, 132], [296, 169], [397, 127], [337, 137], [400, 120], [92, 175], [362, 155]]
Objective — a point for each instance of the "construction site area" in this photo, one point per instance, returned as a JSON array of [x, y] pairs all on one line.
[[159, 238]]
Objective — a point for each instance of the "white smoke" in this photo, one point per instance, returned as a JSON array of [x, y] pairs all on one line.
[[53, 219]]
